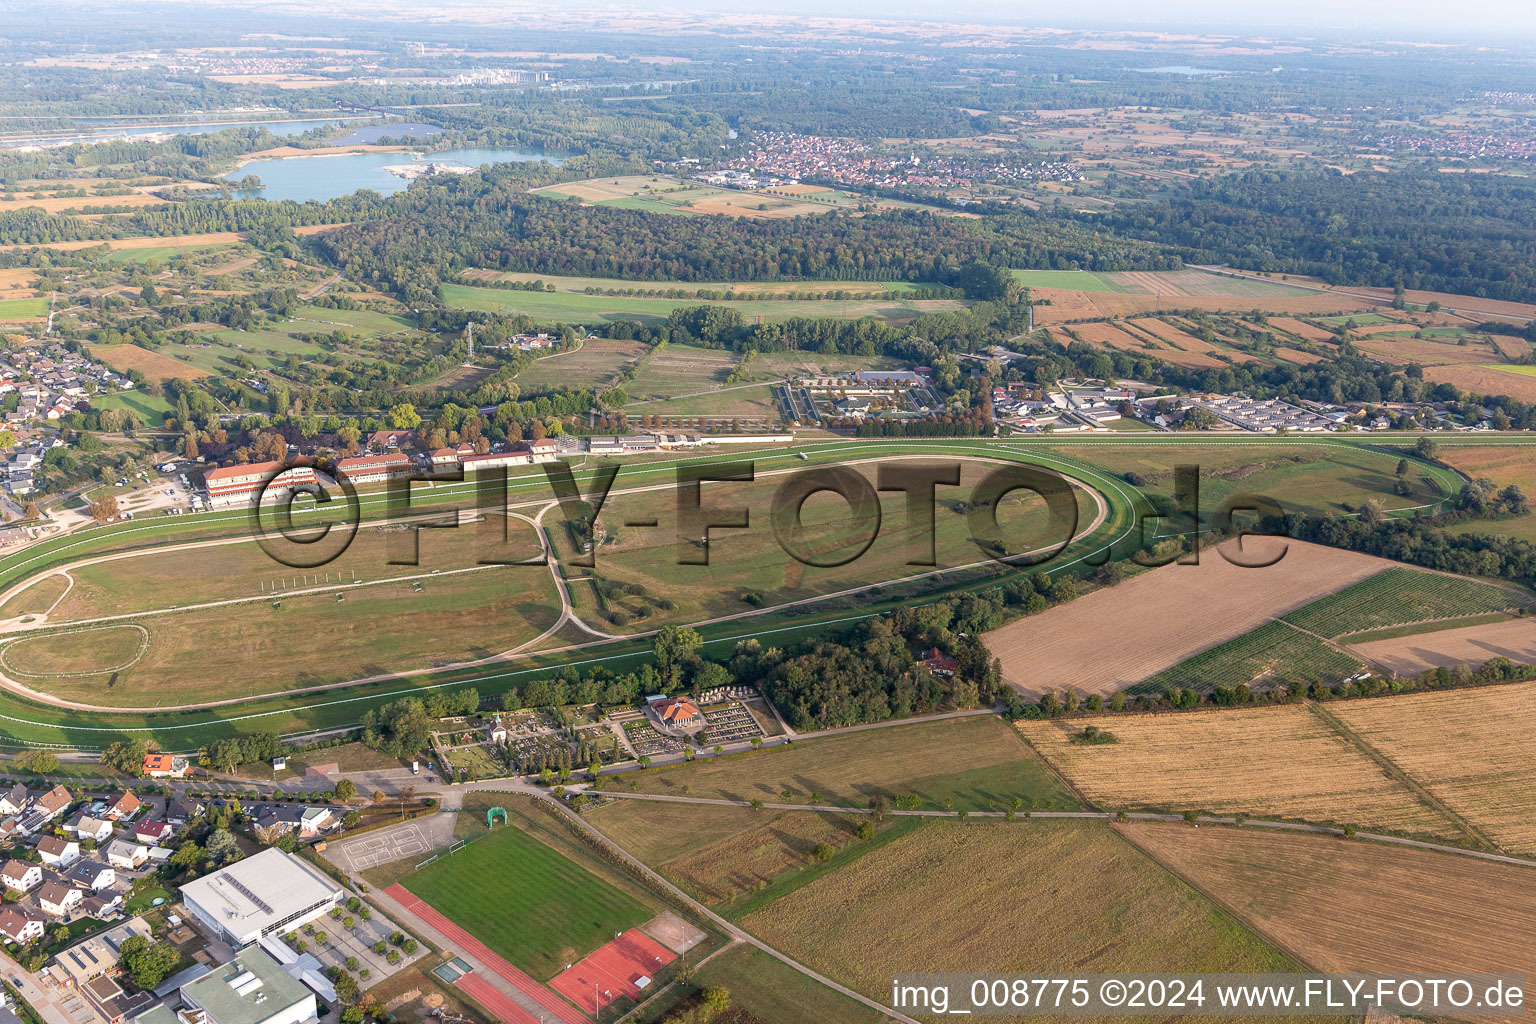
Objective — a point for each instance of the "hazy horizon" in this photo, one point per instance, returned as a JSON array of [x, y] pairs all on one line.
[[1494, 23]]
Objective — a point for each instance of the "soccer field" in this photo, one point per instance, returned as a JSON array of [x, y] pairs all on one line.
[[525, 901]]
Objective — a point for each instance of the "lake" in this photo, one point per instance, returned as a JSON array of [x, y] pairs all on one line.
[[320, 178]]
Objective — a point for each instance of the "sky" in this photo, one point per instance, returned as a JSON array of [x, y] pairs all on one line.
[[1496, 21]]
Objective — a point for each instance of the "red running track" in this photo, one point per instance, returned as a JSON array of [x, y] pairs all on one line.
[[480, 951], [492, 998], [611, 971]]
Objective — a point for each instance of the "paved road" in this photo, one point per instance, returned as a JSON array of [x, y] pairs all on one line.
[[41, 1000]]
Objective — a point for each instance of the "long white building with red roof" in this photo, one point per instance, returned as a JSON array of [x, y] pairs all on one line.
[[236, 485], [373, 469]]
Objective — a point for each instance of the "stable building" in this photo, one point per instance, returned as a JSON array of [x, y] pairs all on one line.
[[242, 485], [375, 469], [270, 892]]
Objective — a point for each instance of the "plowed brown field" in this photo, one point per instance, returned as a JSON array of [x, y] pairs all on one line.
[[1117, 636], [1469, 645]]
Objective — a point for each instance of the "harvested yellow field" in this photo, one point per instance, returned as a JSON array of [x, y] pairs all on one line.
[[1416, 350], [1162, 617], [1297, 356], [1502, 464], [1486, 380], [1301, 329], [123, 358], [58, 204], [1470, 303], [1033, 897], [1281, 761], [1067, 304], [1510, 347], [1344, 906], [18, 283], [1471, 749], [721, 853]]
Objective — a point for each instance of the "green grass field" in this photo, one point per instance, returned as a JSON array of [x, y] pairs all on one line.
[[1529, 371], [1075, 280], [576, 307], [1305, 475], [1274, 649], [271, 345], [151, 408], [1398, 597], [306, 632], [749, 568], [525, 901], [17, 309], [161, 252], [26, 721]]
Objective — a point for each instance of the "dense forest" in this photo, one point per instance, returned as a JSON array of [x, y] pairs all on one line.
[[489, 220], [1474, 234]]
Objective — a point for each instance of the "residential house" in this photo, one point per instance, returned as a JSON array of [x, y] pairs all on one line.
[[165, 766], [102, 905], [21, 876], [93, 875], [939, 663], [152, 832], [58, 853], [84, 827], [123, 854], [124, 807], [21, 925], [297, 819], [14, 800], [44, 809], [59, 899], [179, 812], [387, 440]]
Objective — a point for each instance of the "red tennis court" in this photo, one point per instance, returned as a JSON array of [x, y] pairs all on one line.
[[480, 951], [611, 971]]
